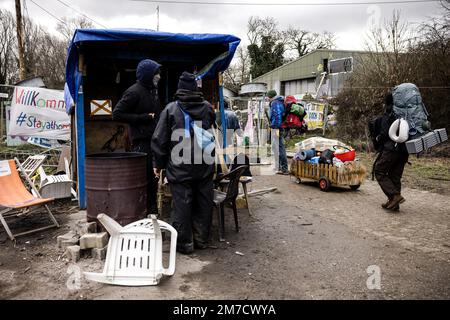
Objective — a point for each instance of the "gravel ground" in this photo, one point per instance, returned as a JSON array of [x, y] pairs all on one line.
[[300, 243]]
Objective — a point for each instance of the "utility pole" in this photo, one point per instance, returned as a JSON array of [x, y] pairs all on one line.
[[19, 30], [157, 18]]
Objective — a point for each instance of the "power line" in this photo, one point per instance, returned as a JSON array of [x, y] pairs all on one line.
[[48, 12], [81, 13], [289, 4]]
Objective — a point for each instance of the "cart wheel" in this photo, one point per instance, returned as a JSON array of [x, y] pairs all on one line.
[[355, 187], [324, 184], [298, 181]]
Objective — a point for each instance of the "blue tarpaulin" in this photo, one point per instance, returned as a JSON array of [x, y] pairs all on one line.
[[87, 36]]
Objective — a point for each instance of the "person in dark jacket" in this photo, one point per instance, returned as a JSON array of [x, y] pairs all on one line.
[[391, 162], [276, 120], [190, 179], [139, 107]]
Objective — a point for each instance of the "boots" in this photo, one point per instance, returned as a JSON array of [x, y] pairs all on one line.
[[395, 201], [185, 248], [385, 205]]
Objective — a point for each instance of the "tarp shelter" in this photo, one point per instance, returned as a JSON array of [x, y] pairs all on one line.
[[101, 65]]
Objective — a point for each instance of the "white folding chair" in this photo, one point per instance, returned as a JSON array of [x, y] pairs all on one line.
[[56, 186]]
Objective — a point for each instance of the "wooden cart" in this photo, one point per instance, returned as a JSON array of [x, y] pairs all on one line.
[[352, 174]]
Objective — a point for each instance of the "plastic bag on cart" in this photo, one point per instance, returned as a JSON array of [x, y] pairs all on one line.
[[319, 143]]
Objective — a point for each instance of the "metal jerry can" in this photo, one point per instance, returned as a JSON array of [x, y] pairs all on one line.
[[134, 256]]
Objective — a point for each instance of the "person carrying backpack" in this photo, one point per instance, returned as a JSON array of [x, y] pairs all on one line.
[[391, 161], [277, 111], [190, 180]]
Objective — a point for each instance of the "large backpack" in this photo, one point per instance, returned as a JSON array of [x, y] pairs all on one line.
[[292, 121], [298, 110], [409, 106]]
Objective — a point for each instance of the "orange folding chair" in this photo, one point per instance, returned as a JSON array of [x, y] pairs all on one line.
[[14, 195]]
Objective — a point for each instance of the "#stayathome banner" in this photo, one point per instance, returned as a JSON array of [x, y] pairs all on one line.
[[38, 112]]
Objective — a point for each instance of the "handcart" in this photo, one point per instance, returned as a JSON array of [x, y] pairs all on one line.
[[351, 173]]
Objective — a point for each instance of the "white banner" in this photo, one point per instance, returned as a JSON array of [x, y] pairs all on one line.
[[12, 141], [40, 113]]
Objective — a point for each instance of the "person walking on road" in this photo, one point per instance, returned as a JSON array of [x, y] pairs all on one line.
[[391, 162]]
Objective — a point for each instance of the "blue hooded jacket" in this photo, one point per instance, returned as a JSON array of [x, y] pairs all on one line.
[[276, 112], [140, 106], [146, 71]]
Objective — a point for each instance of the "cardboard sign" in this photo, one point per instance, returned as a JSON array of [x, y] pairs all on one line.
[[101, 107], [314, 115]]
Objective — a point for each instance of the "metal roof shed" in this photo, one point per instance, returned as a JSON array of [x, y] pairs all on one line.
[[101, 64]]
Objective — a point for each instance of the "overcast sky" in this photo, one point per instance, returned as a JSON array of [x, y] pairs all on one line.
[[349, 23]]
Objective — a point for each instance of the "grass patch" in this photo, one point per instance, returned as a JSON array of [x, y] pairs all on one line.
[[23, 147], [425, 173]]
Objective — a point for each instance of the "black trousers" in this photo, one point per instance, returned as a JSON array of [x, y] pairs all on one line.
[[192, 211], [152, 182], [389, 171]]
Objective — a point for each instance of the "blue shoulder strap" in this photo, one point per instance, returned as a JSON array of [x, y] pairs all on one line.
[[187, 122]]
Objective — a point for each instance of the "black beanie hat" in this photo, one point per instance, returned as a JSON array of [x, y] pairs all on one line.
[[187, 82]]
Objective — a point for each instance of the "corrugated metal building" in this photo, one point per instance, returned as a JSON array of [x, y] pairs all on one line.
[[304, 75]]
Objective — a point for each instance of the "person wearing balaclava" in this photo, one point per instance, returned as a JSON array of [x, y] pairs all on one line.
[[139, 107], [190, 177]]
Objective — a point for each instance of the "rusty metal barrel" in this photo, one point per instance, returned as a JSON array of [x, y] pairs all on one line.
[[116, 184]]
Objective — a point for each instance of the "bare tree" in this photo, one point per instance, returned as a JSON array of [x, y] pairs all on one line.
[[446, 5], [303, 41], [238, 72], [257, 28], [387, 63], [68, 26], [253, 27], [45, 55], [7, 42], [433, 66], [325, 40]]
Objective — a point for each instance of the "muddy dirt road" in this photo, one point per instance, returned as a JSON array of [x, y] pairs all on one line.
[[301, 243]]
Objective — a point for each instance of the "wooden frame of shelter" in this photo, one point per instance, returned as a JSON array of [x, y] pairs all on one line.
[[101, 66]]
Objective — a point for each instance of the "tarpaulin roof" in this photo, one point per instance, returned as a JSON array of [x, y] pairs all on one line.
[[91, 36]]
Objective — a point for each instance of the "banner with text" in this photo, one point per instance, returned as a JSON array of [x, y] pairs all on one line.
[[314, 115], [40, 113]]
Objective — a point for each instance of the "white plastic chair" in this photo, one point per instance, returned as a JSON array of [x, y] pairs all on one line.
[[56, 186], [134, 256], [32, 164]]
